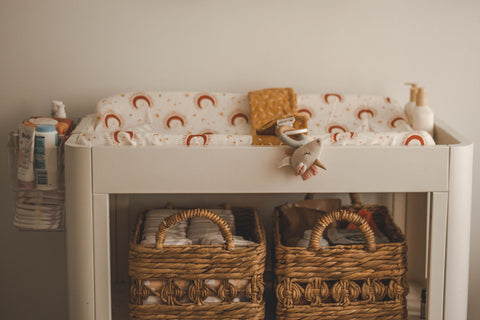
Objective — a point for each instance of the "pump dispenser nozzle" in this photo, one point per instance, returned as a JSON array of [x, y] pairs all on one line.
[[421, 99], [413, 90]]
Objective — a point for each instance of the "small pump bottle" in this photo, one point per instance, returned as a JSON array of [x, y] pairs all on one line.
[[58, 109], [412, 103], [422, 115]]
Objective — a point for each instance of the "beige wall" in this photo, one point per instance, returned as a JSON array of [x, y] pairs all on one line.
[[81, 51]]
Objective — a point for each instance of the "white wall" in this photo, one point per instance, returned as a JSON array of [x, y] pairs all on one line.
[[81, 51]]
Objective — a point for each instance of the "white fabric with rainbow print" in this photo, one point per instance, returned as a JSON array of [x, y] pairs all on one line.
[[203, 119]]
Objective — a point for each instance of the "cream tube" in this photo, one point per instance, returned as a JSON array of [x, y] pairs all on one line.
[[46, 142], [26, 173]]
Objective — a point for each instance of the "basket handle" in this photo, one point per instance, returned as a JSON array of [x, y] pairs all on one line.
[[194, 213], [341, 215]]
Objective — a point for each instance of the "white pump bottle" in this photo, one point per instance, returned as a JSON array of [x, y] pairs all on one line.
[[58, 109], [422, 115]]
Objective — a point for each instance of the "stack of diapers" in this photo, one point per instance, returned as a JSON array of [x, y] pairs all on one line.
[[42, 210], [176, 235], [205, 232], [197, 231], [200, 231]]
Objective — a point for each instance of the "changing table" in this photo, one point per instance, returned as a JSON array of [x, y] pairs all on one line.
[[99, 178]]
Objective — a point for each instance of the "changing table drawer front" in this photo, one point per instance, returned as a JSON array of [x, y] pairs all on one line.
[[254, 170]]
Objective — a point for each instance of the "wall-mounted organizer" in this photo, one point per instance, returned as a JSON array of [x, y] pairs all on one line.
[[36, 164]]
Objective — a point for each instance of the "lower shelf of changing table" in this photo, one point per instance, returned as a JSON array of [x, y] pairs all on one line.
[[120, 294]]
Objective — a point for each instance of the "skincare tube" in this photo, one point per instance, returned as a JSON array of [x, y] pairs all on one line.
[[26, 174], [46, 143]]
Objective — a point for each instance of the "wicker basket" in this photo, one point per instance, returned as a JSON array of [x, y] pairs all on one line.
[[344, 281], [188, 271]]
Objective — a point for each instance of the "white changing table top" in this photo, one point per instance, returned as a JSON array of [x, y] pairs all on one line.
[[253, 169]]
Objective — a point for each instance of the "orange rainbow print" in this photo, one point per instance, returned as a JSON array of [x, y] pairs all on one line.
[[202, 97], [414, 137], [365, 111], [134, 100], [209, 132], [113, 116], [335, 135], [334, 127], [115, 135], [392, 122], [174, 117], [328, 95], [190, 137], [237, 115], [307, 111]]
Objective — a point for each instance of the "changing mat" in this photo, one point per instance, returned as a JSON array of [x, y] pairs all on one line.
[[204, 119]]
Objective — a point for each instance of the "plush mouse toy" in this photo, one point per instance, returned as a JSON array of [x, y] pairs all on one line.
[[304, 159]]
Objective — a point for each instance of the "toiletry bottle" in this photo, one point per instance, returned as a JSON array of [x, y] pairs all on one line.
[[46, 143], [411, 104], [58, 109], [26, 174], [422, 115]]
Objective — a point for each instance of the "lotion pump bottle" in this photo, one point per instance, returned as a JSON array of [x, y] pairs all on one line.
[[422, 115], [58, 109], [412, 103]]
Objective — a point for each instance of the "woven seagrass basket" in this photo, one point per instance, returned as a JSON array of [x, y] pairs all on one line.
[[188, 275], [341, 282]]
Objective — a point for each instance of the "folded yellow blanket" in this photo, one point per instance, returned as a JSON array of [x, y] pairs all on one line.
[[268, 105]]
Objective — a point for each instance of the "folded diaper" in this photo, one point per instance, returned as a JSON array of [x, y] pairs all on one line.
[[305, 241], [217, 239], [196, 231], [175, 235], [205, 228], [200, 231]]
